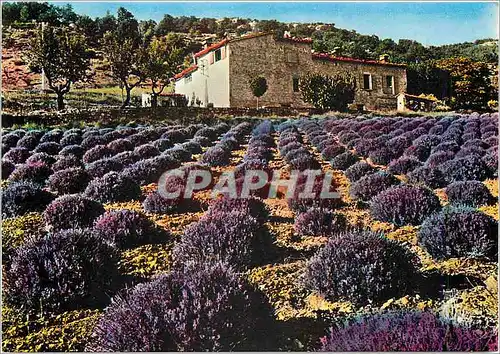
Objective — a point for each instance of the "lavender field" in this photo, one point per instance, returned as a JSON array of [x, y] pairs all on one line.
[[95, 258]]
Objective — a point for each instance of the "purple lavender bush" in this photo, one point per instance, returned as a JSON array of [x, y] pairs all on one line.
[[361, 267], [113, 187], [68, 181], [319, 222], [216, 310], [404, 205], [128, 229], [71, 211], [19, 198], [459, 232], [407, 332], [46, 274]]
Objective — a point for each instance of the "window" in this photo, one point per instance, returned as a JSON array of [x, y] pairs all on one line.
[[292, 57], [367, 81], [295, 84], [389, 81], [188, 78], [218, 55]]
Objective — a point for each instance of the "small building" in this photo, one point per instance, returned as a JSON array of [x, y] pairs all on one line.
[[221, 74], [167, 99], [407, 102]]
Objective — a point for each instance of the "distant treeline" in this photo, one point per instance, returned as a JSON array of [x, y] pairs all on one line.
[[326, 37]]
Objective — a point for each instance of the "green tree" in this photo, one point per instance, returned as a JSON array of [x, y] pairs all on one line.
[[258, 85], [122, 48], [328, 92], [63, 56], [427, 78], [471, 82], [161, 59]]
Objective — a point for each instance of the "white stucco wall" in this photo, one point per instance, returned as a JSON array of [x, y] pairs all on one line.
[[209, 83]]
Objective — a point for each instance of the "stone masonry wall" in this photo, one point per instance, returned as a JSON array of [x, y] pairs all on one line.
[[280, 61]]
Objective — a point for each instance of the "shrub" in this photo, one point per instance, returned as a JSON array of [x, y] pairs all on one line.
[[219, 308], [301, 204], [463, 169], [120, 145], [420, 152], [192, 146], [52, 136], [216, 156], [47, 273], [447, 146], [403, 165], [100, 167], [429, 176], [319, 222], [113, 187], [36, 172], [202, 141], [7, 168], [331, 151], [437, 158], [490, 160], [64, 162], [233, 238], [162, 144], [344, 160], [127, 229], [71, 211], [17, 155], [146, 151], [470, 193], [358, 170], [398, 145], [178, 153], [19, 198], [207, 132], [304, 162], [92, 141], [126, 158], [381, 156], [156, 204], [250, 206], [407, 332], [69, 181], [96, 153], [369, 186], [75, 150], [41, 157], [361, 267], [28, 142], [175, 136], [471, 150], [10, 140], [404, 205], [459, 232], [71, 139], [50, 148]]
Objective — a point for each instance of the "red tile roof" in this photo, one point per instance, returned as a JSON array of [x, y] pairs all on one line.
[[185, 72], [210, 48], [325, 56]]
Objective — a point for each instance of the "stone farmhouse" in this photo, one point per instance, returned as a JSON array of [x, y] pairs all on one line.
[[221, 73]]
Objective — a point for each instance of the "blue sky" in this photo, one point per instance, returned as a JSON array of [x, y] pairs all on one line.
[[429, 23]]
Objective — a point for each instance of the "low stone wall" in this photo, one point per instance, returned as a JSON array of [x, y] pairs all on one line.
[[178, 115]]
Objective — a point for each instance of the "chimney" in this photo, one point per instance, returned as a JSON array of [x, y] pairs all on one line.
[[384, 58]]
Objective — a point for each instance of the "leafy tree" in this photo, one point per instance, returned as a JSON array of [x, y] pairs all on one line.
[[328, 92], [161, 59], [471, 82], [258, 85], [63, 56], [427, 78]]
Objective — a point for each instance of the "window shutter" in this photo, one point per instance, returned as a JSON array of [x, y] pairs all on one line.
[[223, 53], [211, 58]]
